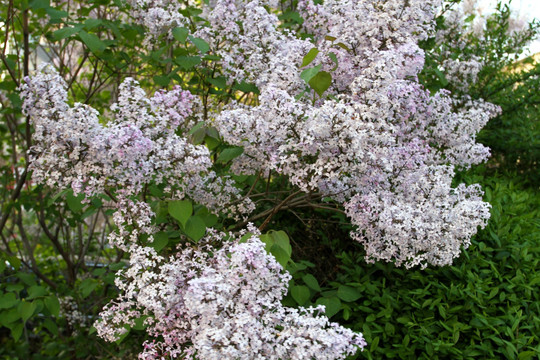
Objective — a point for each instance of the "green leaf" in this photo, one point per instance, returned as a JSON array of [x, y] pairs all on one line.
[[14, 261], [308, 74], [195, 228], [343, 46], [92, 41], [333, 57], [347, 293], [311, 282], [56, 14], [28, 279], [51, 326], [219, 82], [8, 300], [280, 254], [66, 32], [230, 153], [246, 87], [87, 286], [309, 57], [300, 294], [52, 304], [180, 34], [39, 4], [332, 305], [200, 44], [161, 80], [281, 239], [16, 331], [89, 24], [75, 202], [161, 239], [26, 310], [187, 62], [321, 82], [181, 210], [36, 291]]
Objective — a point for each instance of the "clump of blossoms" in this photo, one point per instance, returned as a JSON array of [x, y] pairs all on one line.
[[220, 299], [379, 134], [144, 143]]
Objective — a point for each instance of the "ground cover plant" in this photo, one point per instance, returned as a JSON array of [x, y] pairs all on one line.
[[264, 179]]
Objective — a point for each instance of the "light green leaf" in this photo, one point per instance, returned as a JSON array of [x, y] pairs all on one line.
[[309, 57], [52, 303], [200, 44], [180, 34], [321, 82], [308, 74], [181, 210], [280, 254]]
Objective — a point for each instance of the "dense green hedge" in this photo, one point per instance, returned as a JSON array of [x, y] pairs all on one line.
[[485, 306]]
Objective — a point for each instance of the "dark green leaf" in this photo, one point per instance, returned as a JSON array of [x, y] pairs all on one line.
[[66, 32], [300, 294], [347, 293], [311, 282], [195, 228], [332, 305], [36, 291], [26, 310], [161, 239], [51, 326], [8, 300], [161, 80], [92, 41], [230, 153], [187, 62]]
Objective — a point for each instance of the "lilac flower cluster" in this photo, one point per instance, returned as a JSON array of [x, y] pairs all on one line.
[[139, 146], [381, 135], [220, 299]]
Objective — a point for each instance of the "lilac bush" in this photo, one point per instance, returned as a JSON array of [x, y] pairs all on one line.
[[340, 115]]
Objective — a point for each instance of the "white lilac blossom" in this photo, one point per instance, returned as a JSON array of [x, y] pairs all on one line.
[[139, 146], [220, 299], [159, 17], [380, 133]]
